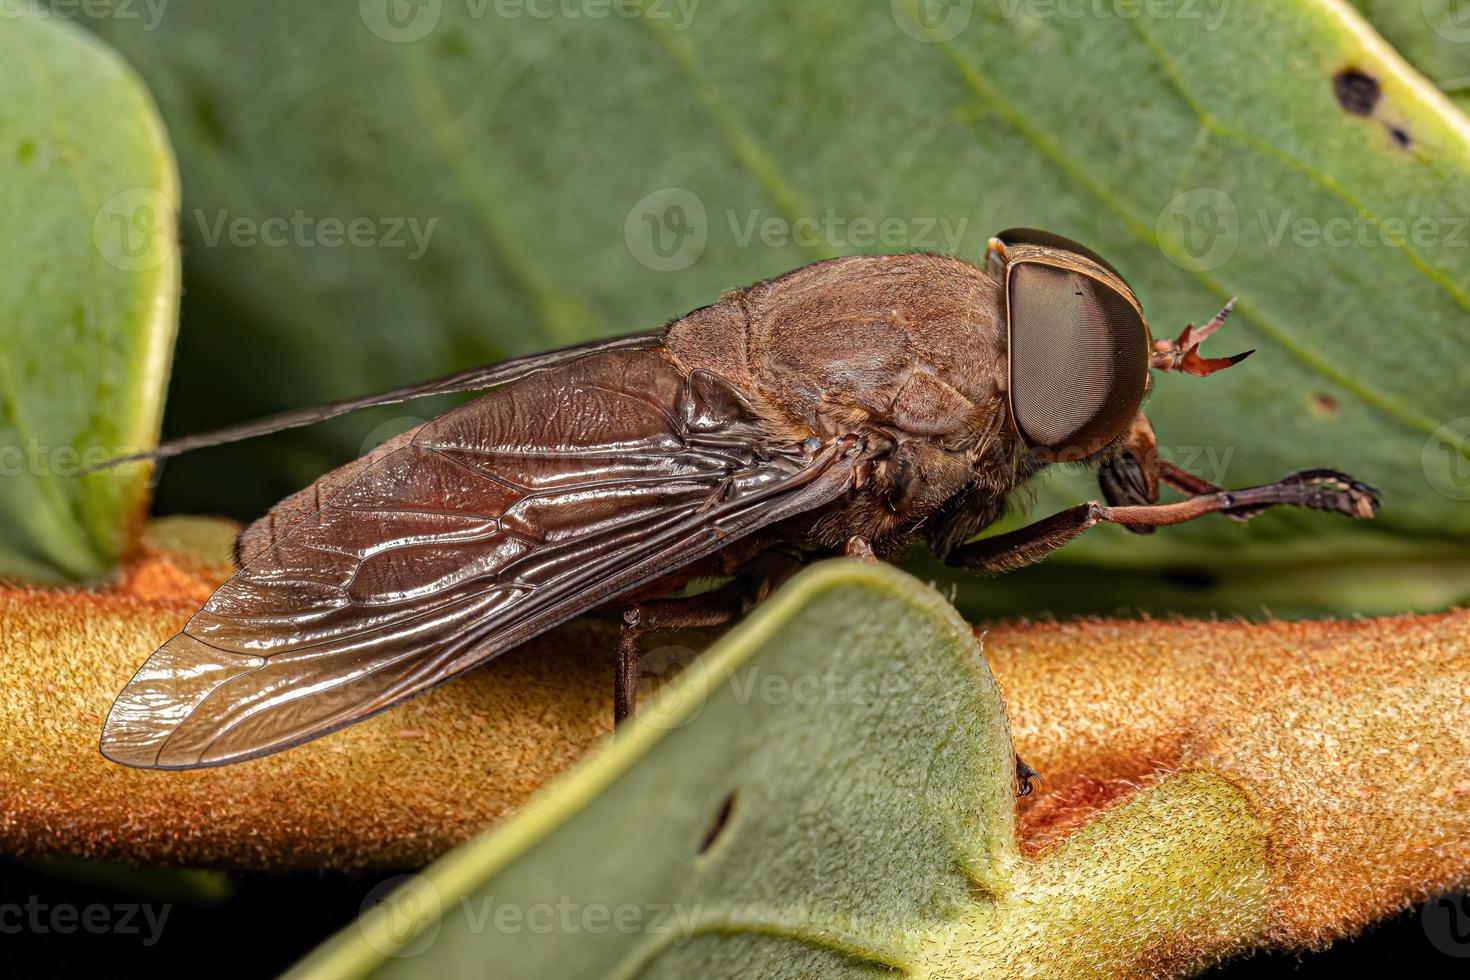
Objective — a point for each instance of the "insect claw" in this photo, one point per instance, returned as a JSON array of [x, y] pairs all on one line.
[[1025, 775], [1336, 492]]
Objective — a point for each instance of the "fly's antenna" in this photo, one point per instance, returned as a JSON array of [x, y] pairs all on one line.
[[1183, 354]]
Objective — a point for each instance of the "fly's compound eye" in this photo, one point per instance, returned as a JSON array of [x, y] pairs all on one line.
[[1079, 353]]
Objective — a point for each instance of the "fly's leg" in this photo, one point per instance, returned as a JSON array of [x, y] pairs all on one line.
[[1187, 483], [1027, 545], [663, 616], [1326, 490], [1130, 482], [1184, 481], [1132, 476], [708, 609]]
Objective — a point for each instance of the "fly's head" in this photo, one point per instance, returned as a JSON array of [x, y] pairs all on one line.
[[1078, 347]]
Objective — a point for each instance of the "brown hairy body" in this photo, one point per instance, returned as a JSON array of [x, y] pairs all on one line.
[[908, 352]]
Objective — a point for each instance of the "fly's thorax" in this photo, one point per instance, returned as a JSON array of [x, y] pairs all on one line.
[[906, 352], [909, 342]]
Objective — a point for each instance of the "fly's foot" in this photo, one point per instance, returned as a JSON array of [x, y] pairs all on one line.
[[1335, 492], [1024, 775]]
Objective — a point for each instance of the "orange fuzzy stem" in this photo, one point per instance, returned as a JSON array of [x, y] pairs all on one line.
[[1352, 740]]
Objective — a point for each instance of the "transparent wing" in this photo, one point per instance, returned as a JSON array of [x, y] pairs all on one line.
[[494, 523]]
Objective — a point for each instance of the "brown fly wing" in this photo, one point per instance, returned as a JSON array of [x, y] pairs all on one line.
[[277, 522], [493, 523]]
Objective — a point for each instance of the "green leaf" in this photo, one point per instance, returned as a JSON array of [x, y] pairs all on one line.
[[1384, 578], [861, 743], [827, 792], [1206, 153], [90, 287]]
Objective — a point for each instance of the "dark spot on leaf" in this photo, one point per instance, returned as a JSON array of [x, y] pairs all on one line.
[[1193, 579], [1325, 403], [1401, 137], [717, 826], [1357, 91], [26, 152]]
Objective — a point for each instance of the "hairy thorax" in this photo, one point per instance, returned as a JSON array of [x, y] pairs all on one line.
[[906, 352]]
